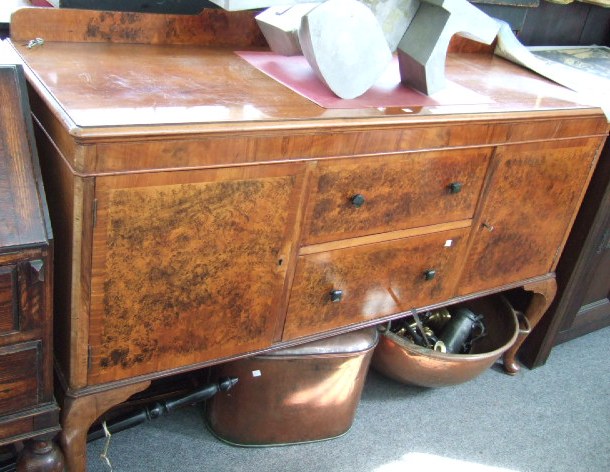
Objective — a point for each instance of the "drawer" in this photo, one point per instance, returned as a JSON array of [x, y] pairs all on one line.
[[356, 197], [19, 376], [337, 288], [21, 297]]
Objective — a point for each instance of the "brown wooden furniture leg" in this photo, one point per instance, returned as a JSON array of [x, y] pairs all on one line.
[[79, 413], [543, 294]]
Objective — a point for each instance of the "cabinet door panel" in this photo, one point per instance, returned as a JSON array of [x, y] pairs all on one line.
[[186, 266], [9, 308], [528, 207], [356, 197], [375, 280]]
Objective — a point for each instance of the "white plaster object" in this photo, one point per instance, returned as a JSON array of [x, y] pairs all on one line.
[[423, 49], [394, 16], [280, 26], [344, 43]]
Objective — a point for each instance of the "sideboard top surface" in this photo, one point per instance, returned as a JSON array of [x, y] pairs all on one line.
[[109, 74], [101, 85]]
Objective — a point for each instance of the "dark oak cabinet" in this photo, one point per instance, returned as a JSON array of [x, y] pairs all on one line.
[[28, 410]]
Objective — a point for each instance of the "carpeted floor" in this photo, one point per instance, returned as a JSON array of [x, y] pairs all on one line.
[[552, 419]]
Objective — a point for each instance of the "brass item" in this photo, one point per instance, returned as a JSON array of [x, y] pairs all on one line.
[[438, 319], [402, 360]]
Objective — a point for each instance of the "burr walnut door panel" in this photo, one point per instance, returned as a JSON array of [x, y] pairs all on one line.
[[337, 288], [188, 266], [356, 197], [528, 208]]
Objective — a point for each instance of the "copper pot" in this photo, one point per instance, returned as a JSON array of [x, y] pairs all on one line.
[[406, 362]]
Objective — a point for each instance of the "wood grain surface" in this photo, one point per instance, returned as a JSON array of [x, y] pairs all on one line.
[[527, 210], [376, 280], [398, 192], [21, 218], [187, 271]]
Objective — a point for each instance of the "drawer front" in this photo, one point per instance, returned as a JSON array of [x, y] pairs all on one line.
[[337, 288], [356, 197], [19, 376]]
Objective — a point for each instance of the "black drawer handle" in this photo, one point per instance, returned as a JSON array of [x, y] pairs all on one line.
[[336, 296], [429, 274], [357, 200], [455, 187]]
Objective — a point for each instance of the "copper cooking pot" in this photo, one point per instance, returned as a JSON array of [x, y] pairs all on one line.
[[402, 360]]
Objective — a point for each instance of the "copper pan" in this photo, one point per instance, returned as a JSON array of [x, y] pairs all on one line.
[[406, 362]]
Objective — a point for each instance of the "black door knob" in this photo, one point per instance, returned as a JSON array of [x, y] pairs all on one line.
[[336, 296], [429, 274], [357, 200], [455, 187]]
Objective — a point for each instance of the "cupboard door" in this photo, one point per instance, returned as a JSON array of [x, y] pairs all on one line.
[[528, 207], [188, 266], [333, 289]]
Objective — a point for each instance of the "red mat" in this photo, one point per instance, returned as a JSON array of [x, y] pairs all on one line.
[[295, 73]]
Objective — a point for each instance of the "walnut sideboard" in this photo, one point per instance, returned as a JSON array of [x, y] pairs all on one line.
[[203, 211]]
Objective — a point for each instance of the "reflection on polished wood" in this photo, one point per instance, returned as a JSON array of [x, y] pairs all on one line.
[[375, 280]]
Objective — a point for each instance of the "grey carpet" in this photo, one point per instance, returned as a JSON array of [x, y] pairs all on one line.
[[554, 418]]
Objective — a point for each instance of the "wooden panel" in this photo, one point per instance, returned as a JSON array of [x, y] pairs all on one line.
[[589, 318], [376, 280], [555, 24], [19, 377], [221, 150], [188, 266], [210, 27], [32, 301], [16, 428], [22, 221], [9, 308], [600, 281], [529, 206], [60, 186], [399, 192], [22, 298]]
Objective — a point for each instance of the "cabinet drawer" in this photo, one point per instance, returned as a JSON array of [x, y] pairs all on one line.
[[356, 197], [19, 376], [374, 280]]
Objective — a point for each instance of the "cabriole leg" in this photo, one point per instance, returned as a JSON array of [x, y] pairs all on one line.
[[543, 294], [79, 413]]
